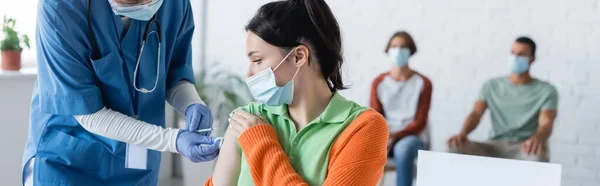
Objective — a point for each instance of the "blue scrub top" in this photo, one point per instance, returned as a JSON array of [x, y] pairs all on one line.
[[71, 83]]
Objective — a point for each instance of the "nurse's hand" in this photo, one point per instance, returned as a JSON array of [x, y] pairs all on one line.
[[198, 116], [196, 147], [241, 121]]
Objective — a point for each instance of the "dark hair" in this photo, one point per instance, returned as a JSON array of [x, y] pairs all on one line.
[[287, 24], [411, 43], [528, 41]]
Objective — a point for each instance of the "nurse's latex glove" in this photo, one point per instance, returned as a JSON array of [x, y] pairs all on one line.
[[198, 116], [196, 147], [241, 121]]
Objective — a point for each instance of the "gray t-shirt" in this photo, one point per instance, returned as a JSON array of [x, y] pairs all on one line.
[[515, 109]]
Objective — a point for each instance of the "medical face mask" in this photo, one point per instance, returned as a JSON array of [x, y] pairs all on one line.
[[142, 12], [264, 89], [518, 64], [399, 56]]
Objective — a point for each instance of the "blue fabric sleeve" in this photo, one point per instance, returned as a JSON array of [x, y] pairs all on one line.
[[180, 66], [66, 80]]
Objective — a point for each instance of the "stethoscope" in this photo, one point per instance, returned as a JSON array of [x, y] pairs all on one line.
[[147, 32]]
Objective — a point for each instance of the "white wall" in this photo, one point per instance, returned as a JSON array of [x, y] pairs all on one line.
[[15, 96], [461, 44]]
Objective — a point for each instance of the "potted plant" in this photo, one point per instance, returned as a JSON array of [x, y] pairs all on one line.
[[11, 45], [222, 91]]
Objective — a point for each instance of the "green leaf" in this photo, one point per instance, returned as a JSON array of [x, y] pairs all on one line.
[[12, 23], [222, 91], [26, 41], [12, 41]]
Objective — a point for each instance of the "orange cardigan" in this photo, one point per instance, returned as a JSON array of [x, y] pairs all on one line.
[[357, 157], [416, 126]]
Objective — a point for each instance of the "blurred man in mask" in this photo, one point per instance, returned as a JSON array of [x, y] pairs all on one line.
[[522, 108]]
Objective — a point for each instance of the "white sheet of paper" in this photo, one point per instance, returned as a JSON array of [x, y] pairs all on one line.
[[446, 169]]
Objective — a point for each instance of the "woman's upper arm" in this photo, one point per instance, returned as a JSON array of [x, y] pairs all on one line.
[[66, 80], [360, 153], [227, 168]]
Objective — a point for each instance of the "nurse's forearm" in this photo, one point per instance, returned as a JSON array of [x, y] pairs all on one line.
[[182, 95], [114, 125]]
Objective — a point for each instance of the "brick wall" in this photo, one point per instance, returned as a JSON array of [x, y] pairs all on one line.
[[461, 44]]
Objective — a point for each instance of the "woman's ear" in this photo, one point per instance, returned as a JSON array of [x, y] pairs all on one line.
[[302, 55]]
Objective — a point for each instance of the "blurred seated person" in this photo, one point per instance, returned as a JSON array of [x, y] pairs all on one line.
[[523, 110], [403, 96]]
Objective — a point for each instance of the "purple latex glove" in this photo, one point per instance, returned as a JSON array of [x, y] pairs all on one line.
[[196, 147], [198, 116]]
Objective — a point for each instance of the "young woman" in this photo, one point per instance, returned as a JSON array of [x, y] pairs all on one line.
[[307, 133], [403, 96]]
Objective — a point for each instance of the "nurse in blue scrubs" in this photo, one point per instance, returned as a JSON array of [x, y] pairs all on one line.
[[106, 68]]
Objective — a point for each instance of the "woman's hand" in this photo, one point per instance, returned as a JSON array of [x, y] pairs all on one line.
[[241, 121]]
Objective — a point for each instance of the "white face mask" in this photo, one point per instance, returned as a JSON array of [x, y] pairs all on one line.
[[399, 56], [264, 89], [518, 64], [141, 12]]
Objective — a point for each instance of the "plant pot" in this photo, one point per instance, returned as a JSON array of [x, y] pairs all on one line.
[[11, 59]]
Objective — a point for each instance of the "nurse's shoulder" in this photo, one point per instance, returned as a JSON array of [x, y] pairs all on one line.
[[175, 6], [72, 14], [66, 20], [60, 5]]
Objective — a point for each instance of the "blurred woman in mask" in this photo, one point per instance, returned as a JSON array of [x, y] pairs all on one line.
[[301, 131], [105, 69], [403, 96]]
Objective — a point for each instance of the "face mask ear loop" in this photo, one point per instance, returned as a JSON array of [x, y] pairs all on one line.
[[293, 77], [288, 55]]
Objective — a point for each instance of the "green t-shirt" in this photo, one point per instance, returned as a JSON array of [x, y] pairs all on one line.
[[308, 149], [515, 109]]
